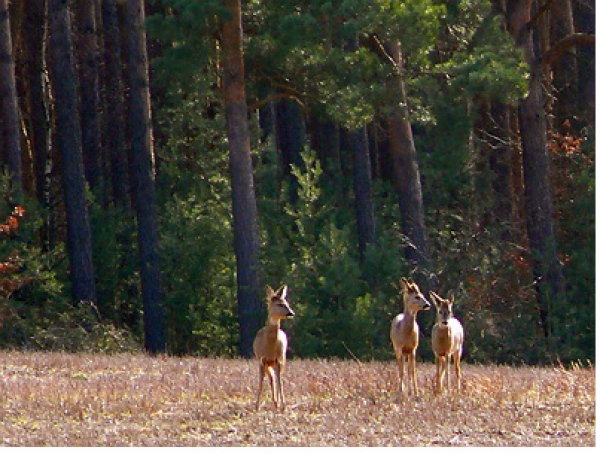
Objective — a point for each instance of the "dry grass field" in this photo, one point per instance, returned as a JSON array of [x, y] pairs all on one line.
[[51, 399]]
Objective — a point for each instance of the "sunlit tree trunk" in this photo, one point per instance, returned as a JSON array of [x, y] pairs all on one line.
[[406, 175], [245, 213]]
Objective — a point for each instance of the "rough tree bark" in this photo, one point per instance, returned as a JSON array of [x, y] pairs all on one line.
[[143, 158], [406, 176], [565, 69], [68, 142], [87, 52], [289, 129], [33, 28], [9, 107], [245, 213], [548, 277], [115, 123]]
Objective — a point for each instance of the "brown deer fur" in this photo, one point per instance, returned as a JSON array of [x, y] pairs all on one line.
[[447, 339], [270, 345], [405, 332]]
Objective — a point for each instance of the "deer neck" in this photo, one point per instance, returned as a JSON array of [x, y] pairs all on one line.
[[273, 323], [410, 317], [444, 327]]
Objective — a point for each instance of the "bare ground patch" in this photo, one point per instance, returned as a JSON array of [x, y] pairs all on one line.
[[52, 399]]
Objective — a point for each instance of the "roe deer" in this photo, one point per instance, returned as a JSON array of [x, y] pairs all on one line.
[[270, 345], [447, 339], [405, 332]]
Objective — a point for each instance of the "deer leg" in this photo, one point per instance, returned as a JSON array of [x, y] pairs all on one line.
[[457, 370], [279, 386], [400, 361], [447, 372], [438, 374], [261, 377], [272, 384], [413, 371]]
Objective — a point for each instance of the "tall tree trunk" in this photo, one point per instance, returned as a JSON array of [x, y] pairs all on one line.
[[548, 276], [87, 51], [325, 140], [143, 156], [289, 127], [584, 12], [10, 120], [492, 130], [565, 70], [266, 120], [406, 176], [365, 216], [114, 108], [245, 213], [34, 24], [68, 141]]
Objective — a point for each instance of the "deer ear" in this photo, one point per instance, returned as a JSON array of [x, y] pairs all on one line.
[[269, 291], [404, 283], [434, 297], [451, 298], [282, 292]]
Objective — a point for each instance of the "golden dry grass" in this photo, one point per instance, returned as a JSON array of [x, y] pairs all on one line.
[[52, 399]]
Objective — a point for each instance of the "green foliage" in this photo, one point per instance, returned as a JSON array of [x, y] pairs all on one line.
[[480, 56], [311, 248], [115, 264], [574, 320], [186, 36], [35, 311], [196, 238]]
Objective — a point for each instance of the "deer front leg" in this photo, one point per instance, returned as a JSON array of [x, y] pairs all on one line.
[[439, 369], [261, 377], [279, 385], [458, 370], [272, 384], [413, 371], [400, 361], [447, 372]]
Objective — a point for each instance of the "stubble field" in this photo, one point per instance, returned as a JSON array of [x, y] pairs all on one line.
[[52, 399]]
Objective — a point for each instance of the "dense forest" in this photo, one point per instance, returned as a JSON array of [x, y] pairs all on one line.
[[165, 160]]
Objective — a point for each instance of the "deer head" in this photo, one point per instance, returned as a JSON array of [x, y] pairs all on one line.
[[413, 298], [443, 307], [279, 308]]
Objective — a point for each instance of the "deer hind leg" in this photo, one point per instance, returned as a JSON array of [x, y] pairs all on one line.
[[261, 377]]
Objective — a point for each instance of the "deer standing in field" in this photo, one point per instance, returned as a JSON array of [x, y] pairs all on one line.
[[405, 332], [447, 339], [270, 345]]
